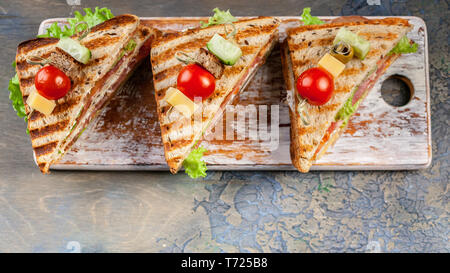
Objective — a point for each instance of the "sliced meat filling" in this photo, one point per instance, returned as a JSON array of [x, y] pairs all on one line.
[[119, 72], [353, 103]]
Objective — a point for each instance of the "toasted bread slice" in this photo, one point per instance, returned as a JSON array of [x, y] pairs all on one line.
[[305, 47], [256, 37], [48, 133]]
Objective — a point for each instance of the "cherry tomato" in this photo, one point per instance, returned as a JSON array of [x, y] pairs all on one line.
[[195, 81], [51, 83], [316, 86]]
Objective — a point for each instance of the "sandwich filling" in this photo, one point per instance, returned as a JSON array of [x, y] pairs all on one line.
[[253, 38], [130, 57], [352, 104], [358, 93], [241, 84]]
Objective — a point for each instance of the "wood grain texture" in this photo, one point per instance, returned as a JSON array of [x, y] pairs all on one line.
[[126, 135]]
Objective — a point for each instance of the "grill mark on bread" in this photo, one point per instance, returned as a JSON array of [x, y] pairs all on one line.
[[26, 82], [350, 71], [174, 159], [249, 49], [164, 109], [385, 21], [326, 107], [35, 115], [45, 149], [166, 73], [300, 63], [379, 35], [180, 143], [373, 52], [170, 36], [35, 44], [102, 41], [59, 109], [320, 42], [97, 60], [304, 148], [165, 128], [65, 106], [23, 65], [165, 55], [49, 129], [233, 70], [162, 93], [253, 31], [341, 90], [122, 20], [143, 32], [305, 130]]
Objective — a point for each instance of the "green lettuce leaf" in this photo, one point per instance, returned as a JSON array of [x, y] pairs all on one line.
[[130, 46], [16, 96], [219, 17], [405, 46], [55, 31], [193, 165], [346, 110], [127, 49], [308, 19], [91, 18]]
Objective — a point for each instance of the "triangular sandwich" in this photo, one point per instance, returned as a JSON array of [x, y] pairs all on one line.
[[316, 126], [209, 48], [116, 46]]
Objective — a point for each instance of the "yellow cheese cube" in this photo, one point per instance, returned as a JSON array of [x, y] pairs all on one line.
[[169, 92], [180, 102], [332, 65], [41, 104]]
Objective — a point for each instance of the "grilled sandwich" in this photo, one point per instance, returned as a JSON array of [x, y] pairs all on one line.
[[180, 135], [303, 48], [93, 83]]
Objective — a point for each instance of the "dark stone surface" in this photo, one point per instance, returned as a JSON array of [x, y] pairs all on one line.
[[404, 211]]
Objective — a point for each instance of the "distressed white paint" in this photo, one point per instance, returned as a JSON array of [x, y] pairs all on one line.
[[383, 137], [73, 2], [373, 2], [73, 247], [373, 247]]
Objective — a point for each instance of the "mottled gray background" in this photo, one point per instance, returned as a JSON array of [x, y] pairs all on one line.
[[406, 211]]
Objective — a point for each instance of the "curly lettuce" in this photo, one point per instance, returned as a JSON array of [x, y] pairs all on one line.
[[16, 96], [308, 19], [405, 46], [193, 165], [219, 17], [91, 18]]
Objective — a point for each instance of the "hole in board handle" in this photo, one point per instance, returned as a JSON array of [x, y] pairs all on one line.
[[397, 90]]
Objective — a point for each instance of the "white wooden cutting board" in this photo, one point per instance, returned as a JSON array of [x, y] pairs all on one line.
[[126, 135]]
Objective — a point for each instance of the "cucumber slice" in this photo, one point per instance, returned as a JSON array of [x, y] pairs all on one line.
[[360, 45], [226, 51], [75, 49]]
